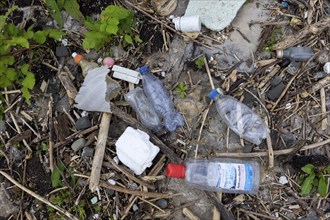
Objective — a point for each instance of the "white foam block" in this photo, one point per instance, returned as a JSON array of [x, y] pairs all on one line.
[[126, 74]]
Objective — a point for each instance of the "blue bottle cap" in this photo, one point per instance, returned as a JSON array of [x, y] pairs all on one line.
[[284, 4], [143, 70], [213, 94]]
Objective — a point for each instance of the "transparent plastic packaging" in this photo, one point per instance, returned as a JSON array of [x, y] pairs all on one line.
[[219, 174], [160, 100], [143, 108], [296, 53], [239, 117]]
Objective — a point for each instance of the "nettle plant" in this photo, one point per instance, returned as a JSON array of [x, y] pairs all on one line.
[[115, 22], [12, 40]]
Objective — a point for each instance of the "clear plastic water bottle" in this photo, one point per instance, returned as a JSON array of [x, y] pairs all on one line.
[[239, 117], [219, 174], [296, 53], [161, 100], [144, 110]]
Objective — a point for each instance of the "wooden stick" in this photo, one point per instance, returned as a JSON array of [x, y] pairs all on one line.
[[71, 90], [189, 214], [42, 199], [137, 193], [216, 213], [324, 123], [295, 39], [99, 152], [276, 153], [270, 150]]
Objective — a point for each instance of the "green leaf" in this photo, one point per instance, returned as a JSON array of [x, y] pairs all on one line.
[[29, 80], [4, 17], [56, 174], [28, 34], [307, 185], [12, 30], [128, 39], [137, 39], [113, 11], [88, 43], [112, 29], [40, 37], [327, 169], [8, 77], [60, 4], [91, 24], [103, 26], [54, 11], [323, 186], [73, 9], [7, 60], [308, 168], [55, 34]]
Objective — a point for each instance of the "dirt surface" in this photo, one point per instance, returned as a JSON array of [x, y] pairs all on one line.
[[241, 59]]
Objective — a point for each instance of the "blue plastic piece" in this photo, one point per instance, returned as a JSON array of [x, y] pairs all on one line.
[[213, 94], [143, 70], [284, 4]]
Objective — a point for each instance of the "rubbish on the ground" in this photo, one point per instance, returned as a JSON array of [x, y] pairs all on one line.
[[188, 23], [145, 112], [284, 63], [275, 92], [239, 117], [293, 67], [83, 123], [78, 144], [112, 182], [62, 52], [320, 75], [87, 152], [126, 74], [276, 80], [164, 7], [135, 207], [283, 180], [135, 150], [109, 62], [219, 174], [161, 100], [296, 53], [162, 203], [323, 56], [326, 68], [84, 64], [116, 159], [94, 200], [284, 4], [214, 14]]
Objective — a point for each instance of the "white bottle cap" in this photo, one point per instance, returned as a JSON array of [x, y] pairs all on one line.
[[74, 54]]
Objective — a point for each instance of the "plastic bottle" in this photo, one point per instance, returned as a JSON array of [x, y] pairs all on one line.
[[239, 118], [144, 110], [296, 53], [84, 64], [219, 174], [160, 100]]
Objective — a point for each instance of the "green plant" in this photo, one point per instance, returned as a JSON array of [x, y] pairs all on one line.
[[314, 178], [13, 38], [70, 6], [200, 63], [115, 22], [182, 90], [274, 37]]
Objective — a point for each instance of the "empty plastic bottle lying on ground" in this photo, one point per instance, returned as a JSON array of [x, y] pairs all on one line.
[[219, 174], [160, 100], [239, 117]]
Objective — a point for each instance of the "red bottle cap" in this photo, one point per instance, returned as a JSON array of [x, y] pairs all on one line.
[[176, 170]]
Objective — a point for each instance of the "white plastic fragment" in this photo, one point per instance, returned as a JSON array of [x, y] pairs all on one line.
[[126, 74], [135, 207], [94, 200], [283, 180], [112, 182], [116, 159], [135, 150], [92, 94], [188, 23]]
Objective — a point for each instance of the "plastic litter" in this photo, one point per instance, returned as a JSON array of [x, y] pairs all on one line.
[[188, 23], [145, 112], [126, 74], [135, 150], [239, 117], [326, 68], [160, 100], [296, 53], [219, 174]]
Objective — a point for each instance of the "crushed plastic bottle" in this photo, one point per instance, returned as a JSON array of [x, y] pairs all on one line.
[[219, 174], [144, 110], [161, 100], [296, 53], [84, 64], [239, 117]]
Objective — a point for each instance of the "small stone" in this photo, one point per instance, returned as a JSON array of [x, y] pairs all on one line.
[[283, 180], [247, 149], [162, 203], [323, 57], [63, 103], [2, 125], [78, 144], [83, 123], [111, 182], [269, 106], [87, 152], [274, 93], [94, 200], [135, 207], [293, 67]]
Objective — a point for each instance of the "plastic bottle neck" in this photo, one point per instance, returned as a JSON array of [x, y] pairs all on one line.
[[176, 171]]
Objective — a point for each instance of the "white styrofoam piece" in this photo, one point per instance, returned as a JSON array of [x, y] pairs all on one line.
[[135, 150], [126, 74], [214, 14], [92, 93]]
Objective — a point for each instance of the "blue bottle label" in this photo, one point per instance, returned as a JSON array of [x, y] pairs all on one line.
[[232, 176]]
